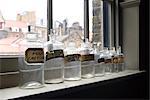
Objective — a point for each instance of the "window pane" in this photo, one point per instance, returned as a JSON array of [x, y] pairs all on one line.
[[68, 20], [15, 16], [96, 21]]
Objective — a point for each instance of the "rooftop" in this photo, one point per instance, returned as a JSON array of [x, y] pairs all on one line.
[[14, 23], [6, 46]]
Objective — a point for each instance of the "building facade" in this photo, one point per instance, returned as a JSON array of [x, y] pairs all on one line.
[[28, 17], [97, 27]]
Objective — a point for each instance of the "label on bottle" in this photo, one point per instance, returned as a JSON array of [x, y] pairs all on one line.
[[108, 61], [115, 60], [50, 55], [73, 57], [54, 54], [88, 57], [101, 60], [120, 59], [34, 55]]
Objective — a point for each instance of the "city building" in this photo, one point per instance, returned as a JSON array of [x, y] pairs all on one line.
[[73, 33], [76, 37], [28, 17], [15, 26], [42, 31]]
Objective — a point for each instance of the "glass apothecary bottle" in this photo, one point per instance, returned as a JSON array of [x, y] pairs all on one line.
[[31, 61], [120, 64], [108, 61], [72, 69], [54, 64], [100, 62], [87, 60], [114, 61]]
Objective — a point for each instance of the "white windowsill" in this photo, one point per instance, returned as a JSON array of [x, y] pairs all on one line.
[[16, 92]]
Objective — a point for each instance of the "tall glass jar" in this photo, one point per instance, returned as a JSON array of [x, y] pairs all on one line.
[[31, 61], [54, 64], [72, 69], [99, 62]]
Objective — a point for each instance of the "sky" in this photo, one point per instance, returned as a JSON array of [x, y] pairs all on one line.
[[70, 9], [10, 8], [73, 10]]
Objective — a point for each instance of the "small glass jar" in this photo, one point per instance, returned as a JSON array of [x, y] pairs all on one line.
[[114, 60], [108, 61], [72, 69], [120, 64], [54, 64], [99, 61], [87, 60]]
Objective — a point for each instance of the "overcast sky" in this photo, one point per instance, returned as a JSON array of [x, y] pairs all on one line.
[[70, 9], [10, 8]]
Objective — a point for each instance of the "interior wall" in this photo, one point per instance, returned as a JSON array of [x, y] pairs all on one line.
[[130, 11]]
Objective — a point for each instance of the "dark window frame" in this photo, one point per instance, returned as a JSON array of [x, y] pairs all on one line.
[[50, 18]]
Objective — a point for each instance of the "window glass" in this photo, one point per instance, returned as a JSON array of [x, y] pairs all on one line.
[[15, 16], [96, 21], [68, 20]]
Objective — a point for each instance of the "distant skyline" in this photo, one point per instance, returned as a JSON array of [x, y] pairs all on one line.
[[73, 10]]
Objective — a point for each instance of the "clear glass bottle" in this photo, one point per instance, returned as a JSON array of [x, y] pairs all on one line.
[[54, 64], [87, 60], [72, 69], [100, 64], [108, 61], [121, 66], [31, 61], [96, 53], [113, 54]]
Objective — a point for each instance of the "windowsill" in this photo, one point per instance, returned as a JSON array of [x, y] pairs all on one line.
[[16, 92], [11, 55], [130, 3]]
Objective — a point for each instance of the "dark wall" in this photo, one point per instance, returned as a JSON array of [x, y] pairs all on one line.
[[144, 38], [144, 34]]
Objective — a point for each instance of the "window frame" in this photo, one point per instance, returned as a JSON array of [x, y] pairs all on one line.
[[110, 20], [50, 18]]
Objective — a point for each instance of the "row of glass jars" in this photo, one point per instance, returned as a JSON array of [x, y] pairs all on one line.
[[54, 64]]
